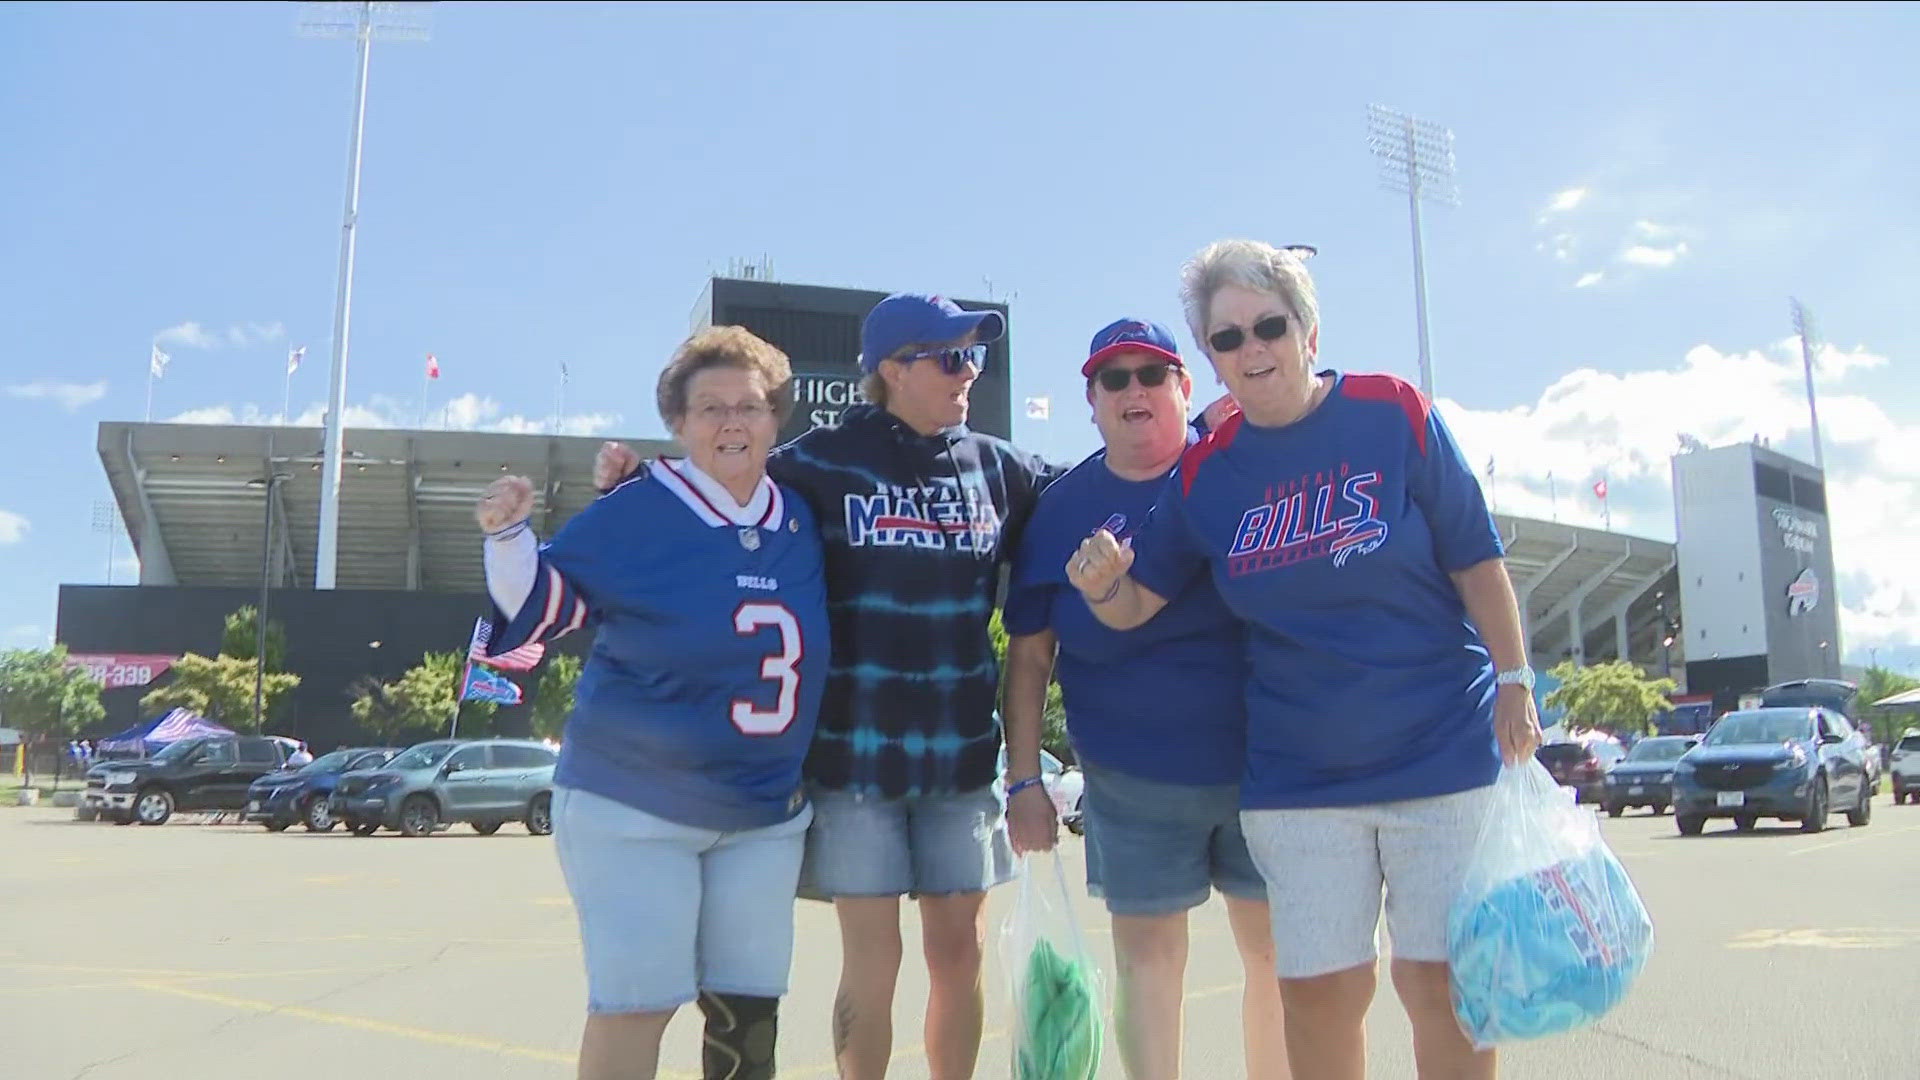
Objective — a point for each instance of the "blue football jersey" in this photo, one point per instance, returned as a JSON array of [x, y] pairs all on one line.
[[698, 701]]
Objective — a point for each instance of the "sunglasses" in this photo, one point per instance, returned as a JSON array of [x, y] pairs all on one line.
[[1150, 376], [1271, 328], [953, 360]]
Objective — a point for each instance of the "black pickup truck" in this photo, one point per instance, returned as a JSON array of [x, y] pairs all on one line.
[[209, 773]]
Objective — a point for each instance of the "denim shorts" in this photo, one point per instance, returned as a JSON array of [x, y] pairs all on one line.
[[1155, 848], [668, 910], [1326, 867], [925, 845]]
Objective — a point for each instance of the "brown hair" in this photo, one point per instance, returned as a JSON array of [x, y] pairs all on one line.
[[725, 346]]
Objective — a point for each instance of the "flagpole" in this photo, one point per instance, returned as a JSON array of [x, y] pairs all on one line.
[[426, 380], [560, 399], [1553, 497], [149, 391]]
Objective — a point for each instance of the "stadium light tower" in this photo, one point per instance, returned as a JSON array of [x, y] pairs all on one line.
[[1803, 326], [1416, 157], [363, 22]]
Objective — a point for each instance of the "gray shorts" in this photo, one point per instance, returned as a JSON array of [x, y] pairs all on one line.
[[1325, 867], [927, 845], [667, 910]]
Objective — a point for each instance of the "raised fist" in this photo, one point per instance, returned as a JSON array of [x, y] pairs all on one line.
[[507, 501], [612, 464], [1099, 564]]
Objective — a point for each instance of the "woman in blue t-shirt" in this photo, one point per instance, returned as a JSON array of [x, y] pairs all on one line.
[[1157, 717], [1388, 674], [679, 813]]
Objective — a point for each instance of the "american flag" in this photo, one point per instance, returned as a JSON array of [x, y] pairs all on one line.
[[294, 358], [520, 659]]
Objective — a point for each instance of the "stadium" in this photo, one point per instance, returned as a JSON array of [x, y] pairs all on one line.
[[220, 515]]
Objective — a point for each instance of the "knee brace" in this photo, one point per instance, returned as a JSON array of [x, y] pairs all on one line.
[[739, 1037]]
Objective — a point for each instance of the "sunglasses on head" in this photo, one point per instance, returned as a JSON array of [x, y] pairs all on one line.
[[952, 360], [1271, 328], [1116, 379]]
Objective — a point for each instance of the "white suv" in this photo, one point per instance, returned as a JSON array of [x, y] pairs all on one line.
[[1906, 767]]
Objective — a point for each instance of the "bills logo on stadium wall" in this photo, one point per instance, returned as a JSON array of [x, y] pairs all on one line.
[[1803, 593]]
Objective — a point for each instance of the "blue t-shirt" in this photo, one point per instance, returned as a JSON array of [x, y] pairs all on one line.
[[1333, 537], [1164, 702], [699, 700]]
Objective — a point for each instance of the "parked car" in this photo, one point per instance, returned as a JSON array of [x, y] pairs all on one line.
[[208, 773], [1064, 784], [300, 795], [1791, 763], [1645, 776], [1905, 767], [485, 783], [1581, 766]]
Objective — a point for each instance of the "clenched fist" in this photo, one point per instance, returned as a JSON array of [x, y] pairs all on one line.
[[507, 501], [612, 464], [1096, 569]]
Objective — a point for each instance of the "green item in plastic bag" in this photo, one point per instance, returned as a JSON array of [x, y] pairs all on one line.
[[1062, 1028]]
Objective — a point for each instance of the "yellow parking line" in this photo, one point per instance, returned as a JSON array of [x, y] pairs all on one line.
[[1851, 840], [382, 1027]]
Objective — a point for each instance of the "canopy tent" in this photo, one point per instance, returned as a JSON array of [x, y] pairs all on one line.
[[151, 735], [1910, 698]]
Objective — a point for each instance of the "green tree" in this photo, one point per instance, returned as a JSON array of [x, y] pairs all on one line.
[[1053, 724], [219, 688], [1615, 694], [421, 702], [241, 636], [1879, 683], [44, 698], [553, 700]]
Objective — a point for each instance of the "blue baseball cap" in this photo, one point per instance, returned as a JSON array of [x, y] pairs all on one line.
[[1130, 335], [905, 319]]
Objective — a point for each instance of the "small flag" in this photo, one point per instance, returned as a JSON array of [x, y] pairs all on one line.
[[520, 659], [1489, 466], [1600, 489], [1039, 408], [563, 372], [294, 358], [433, 367], [157, 365], [484, 684]]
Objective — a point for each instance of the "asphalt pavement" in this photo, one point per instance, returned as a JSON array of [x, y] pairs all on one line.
[[220, 952]]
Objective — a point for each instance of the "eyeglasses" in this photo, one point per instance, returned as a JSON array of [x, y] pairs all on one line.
[[1271, 328], [747, 411], [1150, 376], [952, 360]]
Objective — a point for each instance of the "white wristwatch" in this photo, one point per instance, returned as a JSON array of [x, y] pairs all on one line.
[[1520, 676]]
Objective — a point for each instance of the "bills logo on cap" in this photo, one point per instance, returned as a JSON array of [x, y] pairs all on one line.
[[1123, 335]]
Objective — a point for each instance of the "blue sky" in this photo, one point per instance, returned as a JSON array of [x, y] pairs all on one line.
[[1642, 189]]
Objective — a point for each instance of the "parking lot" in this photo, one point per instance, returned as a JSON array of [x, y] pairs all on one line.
[[218, 952]]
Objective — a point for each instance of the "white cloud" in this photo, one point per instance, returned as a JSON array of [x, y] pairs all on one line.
[[191, 335], [209, 414], [70, 396], [1648, 255], [1567, 200], [187, 335], [255, 334], [1591, 277], [13, 527], [1623, 426], [466, 412], [1648, 230]]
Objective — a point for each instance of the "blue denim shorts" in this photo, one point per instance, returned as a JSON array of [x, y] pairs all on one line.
[[667, 910], [1155, 848], [929, 845]]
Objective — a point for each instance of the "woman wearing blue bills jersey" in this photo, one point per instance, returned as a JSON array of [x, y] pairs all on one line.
[[679, 812]]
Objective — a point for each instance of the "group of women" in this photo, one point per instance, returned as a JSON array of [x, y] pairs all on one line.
[[1290, 656]]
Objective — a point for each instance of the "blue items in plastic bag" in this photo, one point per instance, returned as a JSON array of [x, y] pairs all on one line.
[[1548, 933]]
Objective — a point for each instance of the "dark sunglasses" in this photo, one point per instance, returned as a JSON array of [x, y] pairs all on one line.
[[1271, 328], [952, 360], [1150, 376]]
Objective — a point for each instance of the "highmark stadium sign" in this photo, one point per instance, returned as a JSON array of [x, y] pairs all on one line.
[[1797, 533], [820, 398]]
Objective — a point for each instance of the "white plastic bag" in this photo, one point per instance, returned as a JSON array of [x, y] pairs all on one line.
[[1058, 996], [1547, 933]]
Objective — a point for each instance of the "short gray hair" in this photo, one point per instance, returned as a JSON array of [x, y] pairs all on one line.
[[1250, 264]]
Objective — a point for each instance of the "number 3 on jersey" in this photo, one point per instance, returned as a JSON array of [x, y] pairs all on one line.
[[748, 620]]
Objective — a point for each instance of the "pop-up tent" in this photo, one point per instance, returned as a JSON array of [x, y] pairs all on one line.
[[150, 735]]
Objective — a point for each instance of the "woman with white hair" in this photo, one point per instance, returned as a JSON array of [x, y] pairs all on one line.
[[1388, 674]]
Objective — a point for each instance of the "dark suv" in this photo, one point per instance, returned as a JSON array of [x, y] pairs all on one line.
[[299, 796], [1793, 763], [485, 783], [209, 773]]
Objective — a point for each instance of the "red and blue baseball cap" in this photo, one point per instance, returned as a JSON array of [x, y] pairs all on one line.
[[1130, 335], [905, 319]]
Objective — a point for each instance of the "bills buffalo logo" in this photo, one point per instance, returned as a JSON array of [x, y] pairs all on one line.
[[1803, 593]]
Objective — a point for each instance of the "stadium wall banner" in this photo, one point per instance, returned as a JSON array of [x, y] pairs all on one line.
[[119, 670]]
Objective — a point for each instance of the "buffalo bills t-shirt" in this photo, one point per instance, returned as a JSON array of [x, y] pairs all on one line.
[[1333, 538], [1164, 702]]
